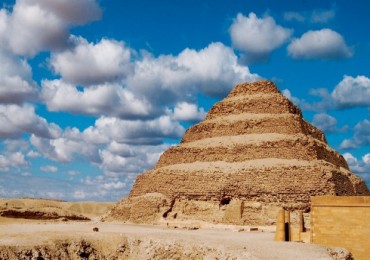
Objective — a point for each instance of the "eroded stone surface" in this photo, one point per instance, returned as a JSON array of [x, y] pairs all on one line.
[[253, 154]]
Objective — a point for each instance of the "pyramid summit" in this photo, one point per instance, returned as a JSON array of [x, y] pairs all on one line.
[[253, 154]]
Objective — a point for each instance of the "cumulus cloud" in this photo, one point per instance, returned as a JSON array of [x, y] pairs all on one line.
[[16, 120], [325, 100], [359, 166], [114, 145], [137, 131], [12, 160], [69, 146], [108, 188], [36, 25], [361, 136], [348, 93], [257, 36], [87, 63], [325, 122], [212, 71], [16, 84], [49, 168], [133, 107], [121, 148], [351, 92], [322, 44], [33, 154], [141, 159], [71, 12], [153, 84], [288, 94], [106, 99], [184, 111], [15, 145]]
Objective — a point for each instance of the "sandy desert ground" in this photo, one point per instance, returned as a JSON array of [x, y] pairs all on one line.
[[61, 239]]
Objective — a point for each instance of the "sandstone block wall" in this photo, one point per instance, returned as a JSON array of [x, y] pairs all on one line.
[[253, 147], [342, 222]]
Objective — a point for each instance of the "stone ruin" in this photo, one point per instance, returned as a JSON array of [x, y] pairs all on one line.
[[252, 155]]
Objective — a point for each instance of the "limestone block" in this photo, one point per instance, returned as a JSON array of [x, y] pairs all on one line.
[[254, 146]]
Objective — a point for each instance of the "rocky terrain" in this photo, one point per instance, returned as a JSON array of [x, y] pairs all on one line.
[[252, 155]]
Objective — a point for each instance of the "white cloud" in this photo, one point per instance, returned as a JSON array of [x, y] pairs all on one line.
[[49, 168], [16, 84], [321, 44], [351, 92], [113, 185], [33, 154], [107, 99], [12, 160], [320, 106], [212, 71], [108, 188], [16, 120], [118, 147], [32, 29], [153, 85], [288, 94], [361, 136], [66, 148], [16, 145], [36, 25], [141, 159], [184, 111], [257, 36], [359, 166], [113, 162], [71, 12], [366, 158], [87, 63], [325, 122], [348, 144], [348, 93], [137, 131]]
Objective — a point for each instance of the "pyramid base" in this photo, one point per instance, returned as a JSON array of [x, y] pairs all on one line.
[[156, 208]]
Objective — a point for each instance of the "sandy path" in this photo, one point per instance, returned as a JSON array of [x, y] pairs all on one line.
[[260, 245]]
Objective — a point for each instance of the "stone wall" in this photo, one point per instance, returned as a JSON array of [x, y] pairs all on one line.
[[342, 222], [253, 148]]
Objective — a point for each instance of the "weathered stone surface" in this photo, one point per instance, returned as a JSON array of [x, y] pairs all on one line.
[[253, 154]]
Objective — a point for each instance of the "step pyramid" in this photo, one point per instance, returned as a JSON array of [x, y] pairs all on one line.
[[253, 154]]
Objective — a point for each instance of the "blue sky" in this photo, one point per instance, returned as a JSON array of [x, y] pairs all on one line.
[[92, 92]]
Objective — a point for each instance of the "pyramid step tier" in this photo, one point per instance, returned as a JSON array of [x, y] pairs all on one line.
[[230, 149], [247, 123], [269, 180], [258, 104], [260, 87]]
